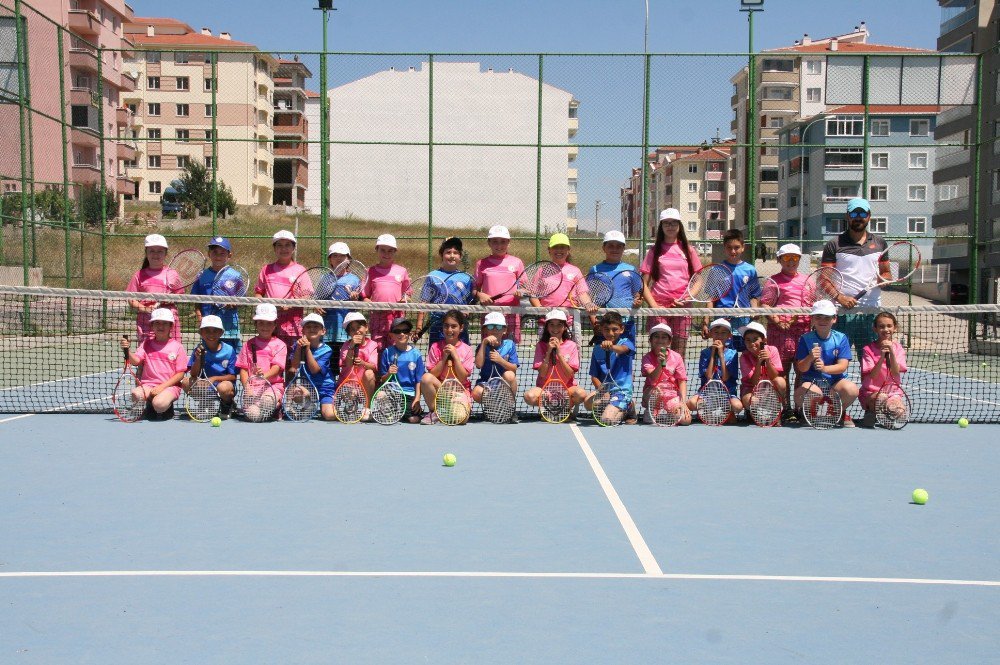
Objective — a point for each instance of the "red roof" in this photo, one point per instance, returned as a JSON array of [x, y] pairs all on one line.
[[192, 39], [312, 94], [851, 47], [887, 109], [152, 20], [703, 155]]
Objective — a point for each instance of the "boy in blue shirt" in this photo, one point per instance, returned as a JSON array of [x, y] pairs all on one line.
[[459, 285], [311, 350], [220, 252], [613, 358], [743, 273], [496, 356], [825, 353], [348, 288], [727, 370], [623, 276], [404, 360], [218, 359]]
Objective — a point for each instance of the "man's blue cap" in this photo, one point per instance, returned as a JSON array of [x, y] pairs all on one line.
[[219, 241], [854, 204]]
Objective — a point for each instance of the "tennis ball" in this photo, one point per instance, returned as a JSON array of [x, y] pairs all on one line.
[[449, 459], [216, 421], [920, 496], [984, 365], [963, 422]]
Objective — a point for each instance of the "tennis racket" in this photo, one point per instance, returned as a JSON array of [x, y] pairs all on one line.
[[821, 406], [352, 277], [301, 400], [536, 281], [259, 399], [498, 399], [903, 258], [231, 280], [824, 283], [664, 407], [610, 403], [188, 264], [127, 407], [350, 398], [389, 402], [709, 284], [713, 400], [453, 404], [460, 291], [554, 400], [317, 283], [762, 289], [428, 289], [202, 401], [765, 401], [892, 404]]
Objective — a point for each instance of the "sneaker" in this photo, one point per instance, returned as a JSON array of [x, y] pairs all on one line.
[[869, 420], [513, 419], [430, 419], [366, 415], [847, 422], [647, 417], [225, 410]]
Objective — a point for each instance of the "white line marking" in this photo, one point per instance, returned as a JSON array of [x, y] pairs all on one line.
[[501, 575], [634, 537], [43, 383], [23, 415], [52, 409]]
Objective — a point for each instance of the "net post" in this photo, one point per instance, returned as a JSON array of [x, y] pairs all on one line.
[[22, 72]]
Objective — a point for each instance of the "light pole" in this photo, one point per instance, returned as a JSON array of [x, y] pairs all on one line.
[[597, 217], [750, 200], [325, 6]]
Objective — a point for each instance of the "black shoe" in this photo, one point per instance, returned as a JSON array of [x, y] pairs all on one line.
[[225, 410], [514, 419], [148, 413], [168, 414]]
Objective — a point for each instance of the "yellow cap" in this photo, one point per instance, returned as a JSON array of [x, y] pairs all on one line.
[[559, 239]]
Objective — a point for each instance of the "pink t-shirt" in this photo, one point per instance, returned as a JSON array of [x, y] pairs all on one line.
[[270, 352], [791, 294], [674, 272], [275, 281], [387, 284], [673, 373], [570, 353], [367, 352], [571, 276], [465, 353], [495, 275], [871, 382], [163, 280], [160, 361], [749, 367]]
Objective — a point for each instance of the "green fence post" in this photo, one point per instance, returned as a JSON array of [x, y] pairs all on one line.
[[65, 169], [538, 164], [104, 184], [22, 108], [974, 240], [324, 142], [215, 143], [644, 189], [751, 197], [430, 159]]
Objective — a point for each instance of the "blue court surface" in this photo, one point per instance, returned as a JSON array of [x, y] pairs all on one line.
[[316, 543]]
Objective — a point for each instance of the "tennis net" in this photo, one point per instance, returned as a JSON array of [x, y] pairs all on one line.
[[60, 353]]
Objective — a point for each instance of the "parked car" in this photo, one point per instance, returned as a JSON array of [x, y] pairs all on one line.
[[959, 294]]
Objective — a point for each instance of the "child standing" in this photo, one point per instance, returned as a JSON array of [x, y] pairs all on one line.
[[451, 349], [496, 356], [264, 355], [572, 285], [613, 358], [387, 282], [220, 252], [311, 350], [664, 369], [784, 330], [720, 361], [359, 356], [556, 355], [825, 353], [163, 362], [155, 276], [404, 360], [275, 281], [218, 359], [460, 288], [622, 276], [348, 288], [497, 273], [743, 274], [883, 361]]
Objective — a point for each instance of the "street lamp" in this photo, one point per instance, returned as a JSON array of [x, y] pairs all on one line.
[[751, 7], [325, 6]]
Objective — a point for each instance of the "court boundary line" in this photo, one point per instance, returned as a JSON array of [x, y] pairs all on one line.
[[635, 538], [64, 380], [53, 409], [504, 575]]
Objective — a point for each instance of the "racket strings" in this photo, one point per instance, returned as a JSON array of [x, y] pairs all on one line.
[[823, 284], [554, 402], [822, 409], [664, 408], [600, 288], [389, 404], [541, 279], [452, 403], [350, 401], [710, 284], [127, 407], [892, 407], [301, 400], [765, 404], [604, 410], [498, 401], [713, 403], [202, 400], [231, 281]]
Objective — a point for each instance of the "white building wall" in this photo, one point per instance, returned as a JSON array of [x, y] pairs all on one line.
[[313, 202], [806, 81]]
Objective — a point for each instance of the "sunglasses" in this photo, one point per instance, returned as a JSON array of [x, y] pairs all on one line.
[[494, 326], [858, 214]]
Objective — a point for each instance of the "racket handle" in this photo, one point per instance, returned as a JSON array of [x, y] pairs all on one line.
[[125, 350]]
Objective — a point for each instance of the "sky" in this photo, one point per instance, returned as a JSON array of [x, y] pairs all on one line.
[[689, 96]]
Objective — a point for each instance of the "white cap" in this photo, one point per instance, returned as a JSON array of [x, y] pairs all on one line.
[[162, 314], [790, 248], [313, 318], [211, 321], [720, 323], [670, 213], [283, 234], [339, 248], [661, 327], [156, 240], [352, 317], [386, 240], [753, 326], [556, 315], [614, 236], [823, 308], [495, 319], [498, 231], [265, 312]]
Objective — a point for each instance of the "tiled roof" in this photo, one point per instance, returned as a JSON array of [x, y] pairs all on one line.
[[850, 47], [192, 39], [887, 109]]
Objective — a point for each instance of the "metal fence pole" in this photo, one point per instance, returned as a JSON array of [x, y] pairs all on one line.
[[324, 142], [644, 188], [751, 199], [977, 185], [103, 188], [22, 108], [538, 164], [67, 262], [215, 143], [430, 159]]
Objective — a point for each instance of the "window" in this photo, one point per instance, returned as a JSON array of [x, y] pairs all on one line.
[[208, 111], [814, 95], [776, 122], [841, 192], [692, 206], [183, 161], [774, 65], [920, 127], [692, 187], [152, 82], [154, 161], [793, 199], [182, 58], [879, 225], [880, 160], [916, 193], [878, 193], [947, 192], [814, 66], [692, 226], [769, 174], [153, 108], [133, 108], [209, 85], [571, 184], [845, 126], [880, 128], [846, 158], [153, 58], [183, 135], [209, 136], [182, 110], [918, 160], [153, 134], [834, 225], [769, 202], [80, 116], [916, 224], [776, 93], [154, 186], [692, 168], [210, 162], [183, 83]]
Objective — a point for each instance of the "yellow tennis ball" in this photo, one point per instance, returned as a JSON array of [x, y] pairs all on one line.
[[449, 459], [920, 496], [216, 421], [963, 422]]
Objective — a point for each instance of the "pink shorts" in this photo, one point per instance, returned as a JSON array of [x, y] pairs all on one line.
[[786, 340], [173, 391], [680, 325]]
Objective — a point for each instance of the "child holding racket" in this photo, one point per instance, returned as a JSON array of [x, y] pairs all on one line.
[[495, 274], [664, 369], [459, 285], [275, 281], [719, 360], [825, 353], [665, 271], [622, 276], [404, 360], [311, 350], [155, 276], [264, 355], [758, 361], [220, 252], [883, 361], [218, 358], [556, 357], [358, 355], [784, 330], [496, 356], [612, 359], [163, 362], [450, 348], [387, 282], [348, 288], [743, 274], [572, 285]]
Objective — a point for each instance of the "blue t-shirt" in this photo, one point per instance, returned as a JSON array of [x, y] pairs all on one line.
[[833, 349], [459, 289], [217, 363], [619, 366], [743, 272], [732, 360], [631, 287], [323, 379], [507, 351], [410, 367], [333, 319], [230, 316]]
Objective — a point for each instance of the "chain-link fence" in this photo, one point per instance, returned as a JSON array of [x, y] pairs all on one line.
[[109, 135]]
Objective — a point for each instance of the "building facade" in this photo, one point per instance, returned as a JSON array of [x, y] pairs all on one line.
[[696, 182], [291, 133]]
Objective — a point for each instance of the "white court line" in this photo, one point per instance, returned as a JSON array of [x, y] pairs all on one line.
[[43, 383], [52, 409], [634, 537], [501, 575]]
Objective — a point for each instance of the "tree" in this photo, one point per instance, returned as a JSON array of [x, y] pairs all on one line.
[[195, 192], [90, 210]]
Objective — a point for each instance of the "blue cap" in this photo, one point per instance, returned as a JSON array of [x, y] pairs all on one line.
[[854, 204], [219, 241]]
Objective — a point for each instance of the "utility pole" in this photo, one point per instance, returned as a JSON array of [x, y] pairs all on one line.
[[597, 217]]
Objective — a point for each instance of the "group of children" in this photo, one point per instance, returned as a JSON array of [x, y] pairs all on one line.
[[339, 344]]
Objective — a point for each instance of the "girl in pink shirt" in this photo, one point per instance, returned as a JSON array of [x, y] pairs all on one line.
[[556, 355], [275, 281], [883, 361], [163, 362], [359, 356], [387, 282], [497, 273], [664, 368], [271, 353], [665, 273], [784, 330], [451, 349], [573, 284], [154, 277], [758, 351]]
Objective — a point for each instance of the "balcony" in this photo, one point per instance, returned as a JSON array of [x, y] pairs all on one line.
[[713, 195], [123, 117], [289, 124], [951, 205], [573, 151], [571, 198], [85, 173], [952, 114], [298, 150], [124, 185], [715, 176], [572, 173], [85, 137], [953, 158], [84, 22], [126, 150], [127, 84], [843, 172], [83, 58], [82, 96], [734, 101], [573, 125], [950, 251]]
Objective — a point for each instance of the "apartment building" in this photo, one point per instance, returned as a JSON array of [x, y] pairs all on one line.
[[313, 203], [291, 133], [696, 182], [173, 109]]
